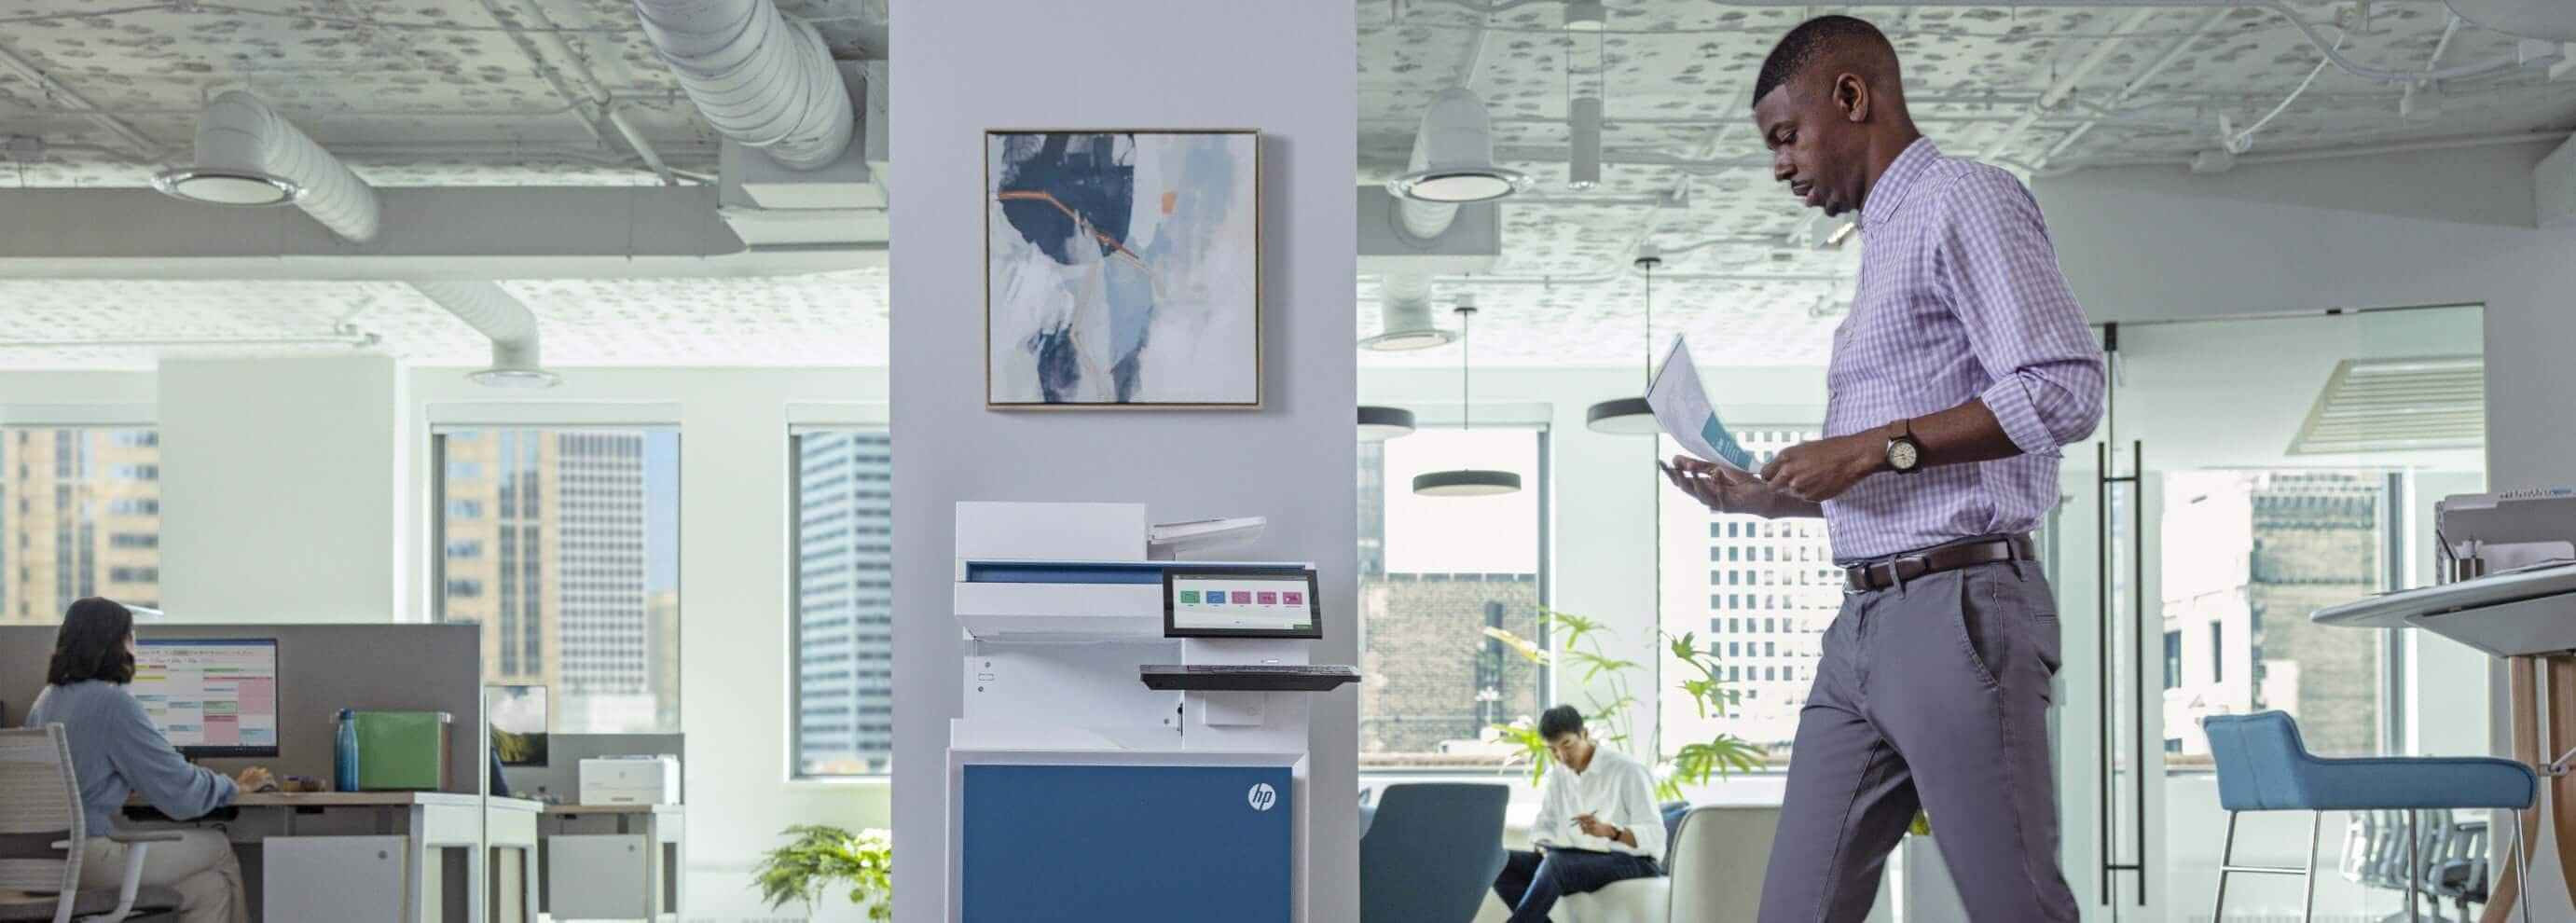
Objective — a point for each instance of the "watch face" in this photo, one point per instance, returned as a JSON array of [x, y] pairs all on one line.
[[1902, 455]]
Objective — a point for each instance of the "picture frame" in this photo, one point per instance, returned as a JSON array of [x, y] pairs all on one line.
[[1075, 318]]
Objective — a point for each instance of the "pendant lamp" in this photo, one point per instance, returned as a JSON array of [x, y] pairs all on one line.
[[1465, 482], [1632, 416], [1379, 424]]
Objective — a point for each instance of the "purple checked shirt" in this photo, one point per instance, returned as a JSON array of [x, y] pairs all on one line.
[[1960, 297]]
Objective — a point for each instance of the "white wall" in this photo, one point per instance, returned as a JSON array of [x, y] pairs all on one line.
[[1288, 69], [277, 476]]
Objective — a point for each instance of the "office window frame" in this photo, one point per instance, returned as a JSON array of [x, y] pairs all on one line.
[[795, 757], [118, 428], [1541, 483], [434, 550]]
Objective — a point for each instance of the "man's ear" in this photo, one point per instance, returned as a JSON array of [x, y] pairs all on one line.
[[1851, 95]]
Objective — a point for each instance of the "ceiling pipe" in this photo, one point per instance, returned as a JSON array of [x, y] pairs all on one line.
[[756, 77], [247, 154], [2137, 84], [2066, 83], [1404, 309], [484, 306], [2279, 7]]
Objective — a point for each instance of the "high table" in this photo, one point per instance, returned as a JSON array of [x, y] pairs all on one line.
[[2528, 618]]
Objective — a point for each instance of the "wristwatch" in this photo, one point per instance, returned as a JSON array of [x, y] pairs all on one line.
[[1904, 455]]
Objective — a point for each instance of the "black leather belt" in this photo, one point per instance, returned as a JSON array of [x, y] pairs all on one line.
[[1887, 572]]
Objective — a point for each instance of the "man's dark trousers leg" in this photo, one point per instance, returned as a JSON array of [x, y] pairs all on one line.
[[1531, 882], [1933, 695]]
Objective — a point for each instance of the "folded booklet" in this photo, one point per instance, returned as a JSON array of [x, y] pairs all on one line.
[[1682, 408]]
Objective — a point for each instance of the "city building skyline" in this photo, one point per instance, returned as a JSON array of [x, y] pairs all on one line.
[[80, 516], [844, 602]]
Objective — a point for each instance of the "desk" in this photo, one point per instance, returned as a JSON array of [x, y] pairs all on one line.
[[511, 824], [592, 850], [427, 821], [2527, 618]]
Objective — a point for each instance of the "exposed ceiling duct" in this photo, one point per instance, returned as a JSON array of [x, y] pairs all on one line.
[[756, 77], [249, 155], [1405, 310], [496, 314], [1453, 155]]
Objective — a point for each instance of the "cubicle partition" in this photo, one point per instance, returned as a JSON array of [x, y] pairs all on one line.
[[321, 669]]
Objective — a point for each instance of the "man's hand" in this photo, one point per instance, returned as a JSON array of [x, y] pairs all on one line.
[[1592, 826], [1727, 490], [1821, 470]]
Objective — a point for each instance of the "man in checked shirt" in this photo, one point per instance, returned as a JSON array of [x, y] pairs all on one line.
[[1964, 365]]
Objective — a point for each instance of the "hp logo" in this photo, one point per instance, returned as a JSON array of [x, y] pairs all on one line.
[[1262, 796]]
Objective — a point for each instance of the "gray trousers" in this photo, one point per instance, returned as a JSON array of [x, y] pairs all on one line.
[[1932, 695]]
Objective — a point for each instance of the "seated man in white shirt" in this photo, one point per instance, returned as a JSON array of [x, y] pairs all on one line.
[[1597, 823]]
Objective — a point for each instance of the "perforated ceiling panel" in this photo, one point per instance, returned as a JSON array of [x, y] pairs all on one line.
[[1684, 165]]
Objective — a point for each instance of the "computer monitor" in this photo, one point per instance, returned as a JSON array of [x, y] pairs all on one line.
[[210, 697], [517, 715], [1241, 603]]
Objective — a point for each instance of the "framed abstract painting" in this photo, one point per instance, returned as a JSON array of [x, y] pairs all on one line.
[[1122, 269]]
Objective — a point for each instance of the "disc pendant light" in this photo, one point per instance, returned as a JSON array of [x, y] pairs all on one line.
[[1465, 482], [1632, 416]]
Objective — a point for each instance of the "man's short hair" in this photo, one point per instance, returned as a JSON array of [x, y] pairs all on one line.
[[1814, 40], [1559, 721]]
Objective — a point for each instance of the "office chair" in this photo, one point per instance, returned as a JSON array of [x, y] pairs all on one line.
[[42, 830], [2262, 766], [2459, 872], [1431, 853]]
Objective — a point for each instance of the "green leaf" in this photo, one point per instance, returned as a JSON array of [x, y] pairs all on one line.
[[1526, 648], [1595, 664], [820, 856]]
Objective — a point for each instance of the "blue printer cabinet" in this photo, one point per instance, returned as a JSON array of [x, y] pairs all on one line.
[[1143, 843]]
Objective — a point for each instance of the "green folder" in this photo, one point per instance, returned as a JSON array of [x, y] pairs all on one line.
[[402, 750]]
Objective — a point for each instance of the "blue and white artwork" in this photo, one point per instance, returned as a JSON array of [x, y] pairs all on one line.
[[1122, 268]]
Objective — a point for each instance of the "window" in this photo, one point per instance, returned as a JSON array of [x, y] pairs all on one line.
[[843, 601], [1782, 623], [2249, 553], [1435, 573], [2173, 659], [2217, 652], [580, 589], [80, 515]]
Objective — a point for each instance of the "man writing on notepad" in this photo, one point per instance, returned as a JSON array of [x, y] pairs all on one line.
[[1596, 823]]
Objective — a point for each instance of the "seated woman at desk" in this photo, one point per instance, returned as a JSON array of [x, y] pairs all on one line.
[[116, 749]]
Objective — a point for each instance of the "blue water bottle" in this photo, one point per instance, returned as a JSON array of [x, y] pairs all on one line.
[[344, 770]]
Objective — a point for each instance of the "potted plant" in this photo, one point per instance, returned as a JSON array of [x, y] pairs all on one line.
[[1579, 640], [821, 858]]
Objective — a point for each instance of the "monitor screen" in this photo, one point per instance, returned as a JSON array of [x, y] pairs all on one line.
[[210, 698], [518, 718], [1264, 603]]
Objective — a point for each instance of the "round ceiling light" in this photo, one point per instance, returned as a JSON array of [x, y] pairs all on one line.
[[513, 378], [1379, 424], [214, 186], [1468, 482], [1396, 341], [1460, 186], [1627, 416]]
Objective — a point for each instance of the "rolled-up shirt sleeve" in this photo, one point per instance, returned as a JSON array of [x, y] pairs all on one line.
[[2022, 321]]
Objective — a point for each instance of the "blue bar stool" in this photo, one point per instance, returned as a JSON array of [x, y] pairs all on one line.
[[2262, 766]]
